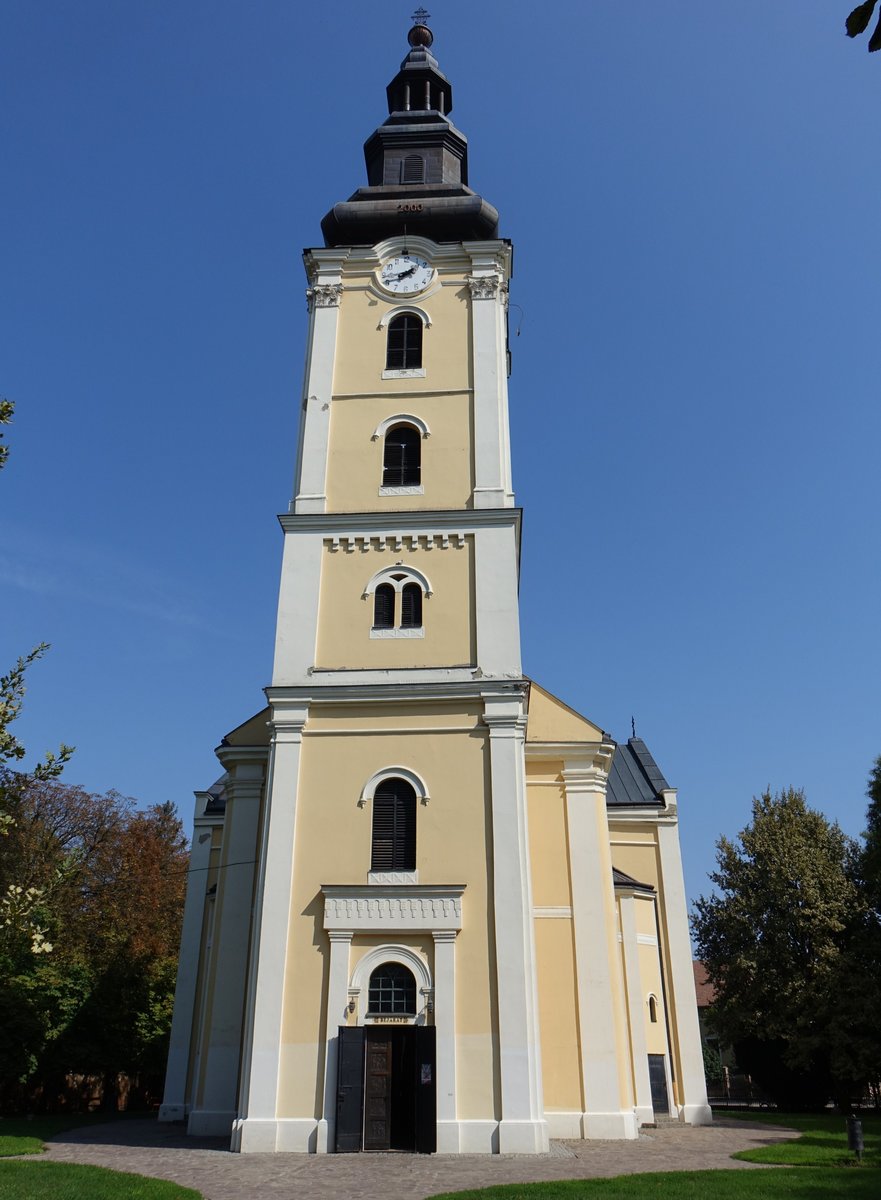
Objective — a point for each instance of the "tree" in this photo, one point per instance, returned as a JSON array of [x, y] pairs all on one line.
[[111, 881], [775, 941], [858, 22], [6, 410]]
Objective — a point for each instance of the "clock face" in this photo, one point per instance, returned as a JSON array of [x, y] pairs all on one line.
[[405, 274]]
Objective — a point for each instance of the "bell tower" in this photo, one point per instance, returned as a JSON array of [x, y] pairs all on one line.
[[398, 659]]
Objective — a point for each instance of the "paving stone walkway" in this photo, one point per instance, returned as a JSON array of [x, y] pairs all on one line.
[[148, 1148]]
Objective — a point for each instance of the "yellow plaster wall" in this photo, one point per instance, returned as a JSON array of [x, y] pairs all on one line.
[[451, 847], [361, 340], [345, 615], [550, 720], [548, 843], [558, 1021], [354, 468]]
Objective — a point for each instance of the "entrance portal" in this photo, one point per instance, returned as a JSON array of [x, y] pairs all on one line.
[[386, 1088]]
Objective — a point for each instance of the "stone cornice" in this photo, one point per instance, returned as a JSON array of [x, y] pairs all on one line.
[[381, 692], [387, 524]]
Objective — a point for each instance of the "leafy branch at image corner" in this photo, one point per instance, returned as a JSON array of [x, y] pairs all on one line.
[[858, 22]]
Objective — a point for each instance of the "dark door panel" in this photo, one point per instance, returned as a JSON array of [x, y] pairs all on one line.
[[658, 1081], [350, 1088]]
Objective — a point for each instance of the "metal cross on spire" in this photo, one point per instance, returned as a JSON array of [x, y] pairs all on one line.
[[421, 16]]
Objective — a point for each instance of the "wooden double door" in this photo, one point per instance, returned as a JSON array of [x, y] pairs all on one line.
[[386, 1091]]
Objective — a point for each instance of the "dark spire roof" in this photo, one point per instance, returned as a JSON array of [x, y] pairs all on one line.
[[417, 164], [634, 778]]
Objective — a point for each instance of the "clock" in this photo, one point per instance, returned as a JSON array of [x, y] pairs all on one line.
[[405, 274]]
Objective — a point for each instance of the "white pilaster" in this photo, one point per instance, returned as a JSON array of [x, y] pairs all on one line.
[[445, 1032], [496, 606], [522, 1129], [636, 1011], [323, 296], [692, 1085], [488, 287], [297, 625], [335, 1015], [174, 1106], [256, 1128], [597, 964], [217, 1108]]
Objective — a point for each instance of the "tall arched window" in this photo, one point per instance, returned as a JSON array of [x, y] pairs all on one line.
[[392, 991], [394, 826], [404, 345], [402, 457], [384, 607], [411, 606]]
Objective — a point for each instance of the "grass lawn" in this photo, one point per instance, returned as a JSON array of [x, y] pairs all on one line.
[[67, 1181], [800, 1184], [823, 1141], [25, 1135]]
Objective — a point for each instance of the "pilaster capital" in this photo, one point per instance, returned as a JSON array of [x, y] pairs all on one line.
[[287, 717], [505, 715], [340, 935], [589, 773], [486, 287], [444, 935], [324, 295], [245, 768]]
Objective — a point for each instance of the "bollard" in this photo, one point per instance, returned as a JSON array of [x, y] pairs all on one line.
[[855, 1136]]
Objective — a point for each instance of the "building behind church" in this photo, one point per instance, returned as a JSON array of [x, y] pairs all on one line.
[[430, 906]]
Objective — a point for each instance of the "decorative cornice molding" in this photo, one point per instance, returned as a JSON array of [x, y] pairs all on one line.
[[395, 541], [385, 908]]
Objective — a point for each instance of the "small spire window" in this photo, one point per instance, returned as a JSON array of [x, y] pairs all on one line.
[[404, 345], [413, 169]]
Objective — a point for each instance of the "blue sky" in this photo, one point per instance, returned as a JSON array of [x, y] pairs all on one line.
[[692, 190]]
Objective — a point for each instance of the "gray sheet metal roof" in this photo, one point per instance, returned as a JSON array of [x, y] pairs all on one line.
[[635, 778], [217, 792], [627, 881]]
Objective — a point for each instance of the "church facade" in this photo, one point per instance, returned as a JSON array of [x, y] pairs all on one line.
[[430, 906]]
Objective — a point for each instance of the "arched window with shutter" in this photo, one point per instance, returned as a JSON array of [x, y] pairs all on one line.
[[384, 607], [394, 826], [411, 606], [404, 343], [402, 457]]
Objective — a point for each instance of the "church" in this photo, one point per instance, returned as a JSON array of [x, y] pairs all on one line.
[[431, 908]]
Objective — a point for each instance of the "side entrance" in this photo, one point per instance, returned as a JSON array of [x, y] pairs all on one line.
[[386, 1097]]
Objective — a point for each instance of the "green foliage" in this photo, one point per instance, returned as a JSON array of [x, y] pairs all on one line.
[[712, 1065], [6, 410], [69, 1181], [799, 1183], [858, 22], [112, 883], [776, 940]]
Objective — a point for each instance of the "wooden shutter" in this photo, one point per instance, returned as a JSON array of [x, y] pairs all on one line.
[[394, 827], [384, 607], [411, 606], [401, 464]]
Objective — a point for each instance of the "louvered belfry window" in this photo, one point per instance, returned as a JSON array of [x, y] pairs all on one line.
[[401, 462], [411, 606], [404, 346], [394, 826], [384, 607], [392, 991], [413, 169]]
